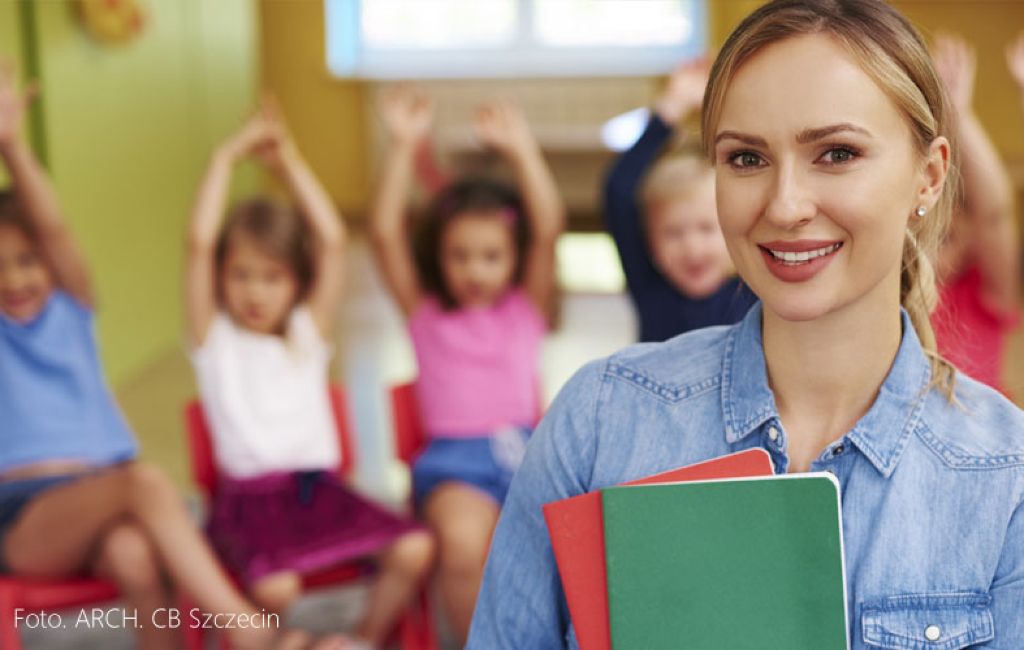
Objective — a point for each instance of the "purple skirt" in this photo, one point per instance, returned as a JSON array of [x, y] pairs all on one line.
[[302, 522]]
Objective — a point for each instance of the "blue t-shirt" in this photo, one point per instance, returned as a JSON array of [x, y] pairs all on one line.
[[54, 401], [663, 311]]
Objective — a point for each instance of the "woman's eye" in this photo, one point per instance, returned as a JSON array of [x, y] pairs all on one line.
[[838, 155], [745, 159]]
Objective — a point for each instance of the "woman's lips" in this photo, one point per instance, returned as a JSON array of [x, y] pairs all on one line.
[[798, 261]]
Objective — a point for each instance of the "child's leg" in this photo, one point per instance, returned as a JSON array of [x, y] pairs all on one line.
[[464, 520], [127, 557], [403, 566], [277, 591], [60, 529]]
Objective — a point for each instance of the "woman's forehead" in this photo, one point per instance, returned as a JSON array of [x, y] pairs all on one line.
[[805, 84]]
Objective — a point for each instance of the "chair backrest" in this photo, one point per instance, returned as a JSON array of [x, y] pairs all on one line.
[[410, 438], [200, 441]]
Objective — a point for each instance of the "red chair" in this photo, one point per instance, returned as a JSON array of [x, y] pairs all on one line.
[[410, 438], [415, 629]]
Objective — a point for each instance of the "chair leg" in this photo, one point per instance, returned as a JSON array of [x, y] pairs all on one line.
[[416, 627], [9, 637]]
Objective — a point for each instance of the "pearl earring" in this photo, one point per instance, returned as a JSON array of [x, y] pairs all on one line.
[[921, 210]]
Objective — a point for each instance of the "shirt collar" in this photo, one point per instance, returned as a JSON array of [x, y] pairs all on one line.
[[881, 434]]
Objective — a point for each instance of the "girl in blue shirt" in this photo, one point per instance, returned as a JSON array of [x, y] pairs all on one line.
[[73, 499], [830, 136]]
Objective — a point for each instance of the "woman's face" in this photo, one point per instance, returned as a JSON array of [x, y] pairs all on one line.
[[817, 177]]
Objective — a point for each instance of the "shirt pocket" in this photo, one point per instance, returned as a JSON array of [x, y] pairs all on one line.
[[946, 621]]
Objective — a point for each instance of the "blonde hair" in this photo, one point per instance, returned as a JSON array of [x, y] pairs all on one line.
[[894, 55], [674, 177]]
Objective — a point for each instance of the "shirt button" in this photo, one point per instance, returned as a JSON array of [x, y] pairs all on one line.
[[837, 450], [773, 434], [932, 632]]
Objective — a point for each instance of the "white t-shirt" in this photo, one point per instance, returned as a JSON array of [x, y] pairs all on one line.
[[266, 397]]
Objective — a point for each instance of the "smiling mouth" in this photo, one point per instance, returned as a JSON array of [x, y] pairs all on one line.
[[791, 258]]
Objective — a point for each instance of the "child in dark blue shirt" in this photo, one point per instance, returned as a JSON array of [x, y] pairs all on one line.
[[665, 225]]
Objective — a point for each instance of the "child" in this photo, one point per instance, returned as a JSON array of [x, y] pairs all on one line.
[[474, 296], [73, 499], [979, 264], [260, 302], [677, 268]]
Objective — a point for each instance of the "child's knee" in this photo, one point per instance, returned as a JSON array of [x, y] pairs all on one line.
[[150, 480], [464, 543], [277, 592], [412, 554], [128, 555]]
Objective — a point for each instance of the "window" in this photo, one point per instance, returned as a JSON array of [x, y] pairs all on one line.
[[507, 38]]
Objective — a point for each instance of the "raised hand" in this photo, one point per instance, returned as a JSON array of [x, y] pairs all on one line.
[[685, 90], [1015, 60], [256, 133], [503, 127], [956, 64], [13, 104], [407, 112]]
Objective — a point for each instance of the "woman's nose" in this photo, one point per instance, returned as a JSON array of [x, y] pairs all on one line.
[[790, 204]]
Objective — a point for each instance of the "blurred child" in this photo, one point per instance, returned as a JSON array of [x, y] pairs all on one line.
[[73, 498], [677, 268], [261, 295], [475, 294], [979, 264]]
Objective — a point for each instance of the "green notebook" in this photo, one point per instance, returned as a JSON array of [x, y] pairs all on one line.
[[733, 564]]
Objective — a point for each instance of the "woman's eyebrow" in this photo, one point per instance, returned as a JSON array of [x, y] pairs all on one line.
[[751, 140], [813, 135]]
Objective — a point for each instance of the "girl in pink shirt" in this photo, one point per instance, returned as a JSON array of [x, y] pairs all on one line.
[[979, 264], [474, 287]]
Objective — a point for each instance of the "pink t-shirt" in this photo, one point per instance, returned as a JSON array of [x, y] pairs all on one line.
[[477, 366], [969, 334]]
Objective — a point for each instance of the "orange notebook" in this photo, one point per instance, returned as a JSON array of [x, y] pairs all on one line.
[[577, 537]]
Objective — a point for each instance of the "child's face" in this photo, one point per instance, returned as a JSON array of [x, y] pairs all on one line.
[[687, 243], [25, 279], [478, 258], [259, 289]]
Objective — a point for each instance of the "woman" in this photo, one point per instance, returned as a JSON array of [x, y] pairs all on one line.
[[829, 133]]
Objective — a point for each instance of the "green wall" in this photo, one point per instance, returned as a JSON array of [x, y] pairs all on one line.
[[127, 130]]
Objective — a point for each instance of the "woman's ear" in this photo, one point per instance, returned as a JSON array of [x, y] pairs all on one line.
[[934, 173]]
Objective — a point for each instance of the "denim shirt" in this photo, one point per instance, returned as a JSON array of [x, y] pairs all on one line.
[[932, 492]]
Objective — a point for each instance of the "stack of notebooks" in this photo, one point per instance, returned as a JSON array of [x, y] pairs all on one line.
[[722, 554]]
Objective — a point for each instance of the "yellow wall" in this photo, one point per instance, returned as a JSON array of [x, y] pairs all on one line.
[[328, 116], [128, 129], [331, 123]]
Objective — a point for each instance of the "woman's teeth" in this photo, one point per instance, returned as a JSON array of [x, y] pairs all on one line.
[[791, 259]]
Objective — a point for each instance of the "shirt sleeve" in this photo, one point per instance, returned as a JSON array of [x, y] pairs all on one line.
[[304, 333], [521, 602], [622, 212], [1008, 589]]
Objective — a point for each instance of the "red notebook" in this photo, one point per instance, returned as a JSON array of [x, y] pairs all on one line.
[[577, 537]]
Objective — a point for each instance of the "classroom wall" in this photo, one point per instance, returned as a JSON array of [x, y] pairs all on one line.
[[128, 129], [332, 126]]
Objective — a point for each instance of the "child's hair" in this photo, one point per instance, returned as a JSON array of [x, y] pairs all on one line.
[[673, 178], [894, 55], [11, 214], [468, 195], [277, 229]]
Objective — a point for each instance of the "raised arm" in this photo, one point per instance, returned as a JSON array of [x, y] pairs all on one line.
[[407, 115], [622, 212], [207, 211], [283, 158], [503, 127], [988, 190], [36, 194]]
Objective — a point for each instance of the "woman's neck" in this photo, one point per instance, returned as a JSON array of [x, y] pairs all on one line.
[[826, 373]]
